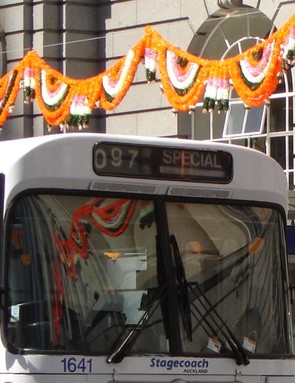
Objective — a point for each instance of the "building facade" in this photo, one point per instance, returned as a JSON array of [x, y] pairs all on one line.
[[82, 38]]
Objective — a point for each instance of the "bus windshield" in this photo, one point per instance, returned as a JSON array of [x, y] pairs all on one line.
[[121, 276]]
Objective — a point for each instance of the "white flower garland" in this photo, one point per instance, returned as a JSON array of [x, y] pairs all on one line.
[[174, 77], [246, 67], [111, 87], [52, 98]]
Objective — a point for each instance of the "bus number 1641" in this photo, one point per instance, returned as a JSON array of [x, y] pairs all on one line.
[[77, 365]]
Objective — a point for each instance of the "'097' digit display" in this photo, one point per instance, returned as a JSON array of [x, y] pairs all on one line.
[[180, 164]]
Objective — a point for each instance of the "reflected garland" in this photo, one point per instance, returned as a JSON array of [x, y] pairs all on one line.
[[110, 219]]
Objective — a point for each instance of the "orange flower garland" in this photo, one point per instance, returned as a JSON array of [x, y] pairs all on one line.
[[184, 78], [191, 96], [117, 80], [9, 87], [255, 95]]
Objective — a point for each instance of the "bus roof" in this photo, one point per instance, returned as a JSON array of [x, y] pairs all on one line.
[[64, 161]]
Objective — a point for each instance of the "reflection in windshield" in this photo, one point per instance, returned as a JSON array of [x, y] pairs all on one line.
[[92, 265], [232, 262], [89, 275]]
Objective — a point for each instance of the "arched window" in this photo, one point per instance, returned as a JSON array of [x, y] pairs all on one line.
[[269, 128]]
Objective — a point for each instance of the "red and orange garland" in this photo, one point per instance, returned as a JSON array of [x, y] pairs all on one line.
[[185, 79]]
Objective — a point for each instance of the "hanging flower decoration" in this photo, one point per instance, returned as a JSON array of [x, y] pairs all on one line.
[[54, 96], [256, 75], [150, 56], [117, 80], [28, 85], [150, 61], [8, 94], [288, 49], [79, 112], [184, 79], [217, 89], [182, 73], [53, 92]]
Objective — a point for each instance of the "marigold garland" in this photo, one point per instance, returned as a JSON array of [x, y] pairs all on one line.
[[184, 78]]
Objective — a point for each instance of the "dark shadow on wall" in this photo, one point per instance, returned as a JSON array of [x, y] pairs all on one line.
[[3, 55], [82, 49]]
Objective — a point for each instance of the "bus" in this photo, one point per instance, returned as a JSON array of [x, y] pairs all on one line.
[[134, 259]]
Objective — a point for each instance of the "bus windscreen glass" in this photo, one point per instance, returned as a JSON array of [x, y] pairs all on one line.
[[84, 271]]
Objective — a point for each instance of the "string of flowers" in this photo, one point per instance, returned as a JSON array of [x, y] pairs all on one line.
[[117, 80], [184, 79]]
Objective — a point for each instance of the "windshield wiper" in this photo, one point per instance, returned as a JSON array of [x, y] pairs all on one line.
[[239, 352], [123, 346], [183, 287], [236, 347]]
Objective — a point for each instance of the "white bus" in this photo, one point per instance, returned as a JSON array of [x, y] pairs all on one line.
[[131, 259]]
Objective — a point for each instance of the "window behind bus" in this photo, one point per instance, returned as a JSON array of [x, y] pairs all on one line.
[[89, 274]]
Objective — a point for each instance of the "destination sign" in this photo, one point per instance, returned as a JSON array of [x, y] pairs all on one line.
[[140, 161]]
